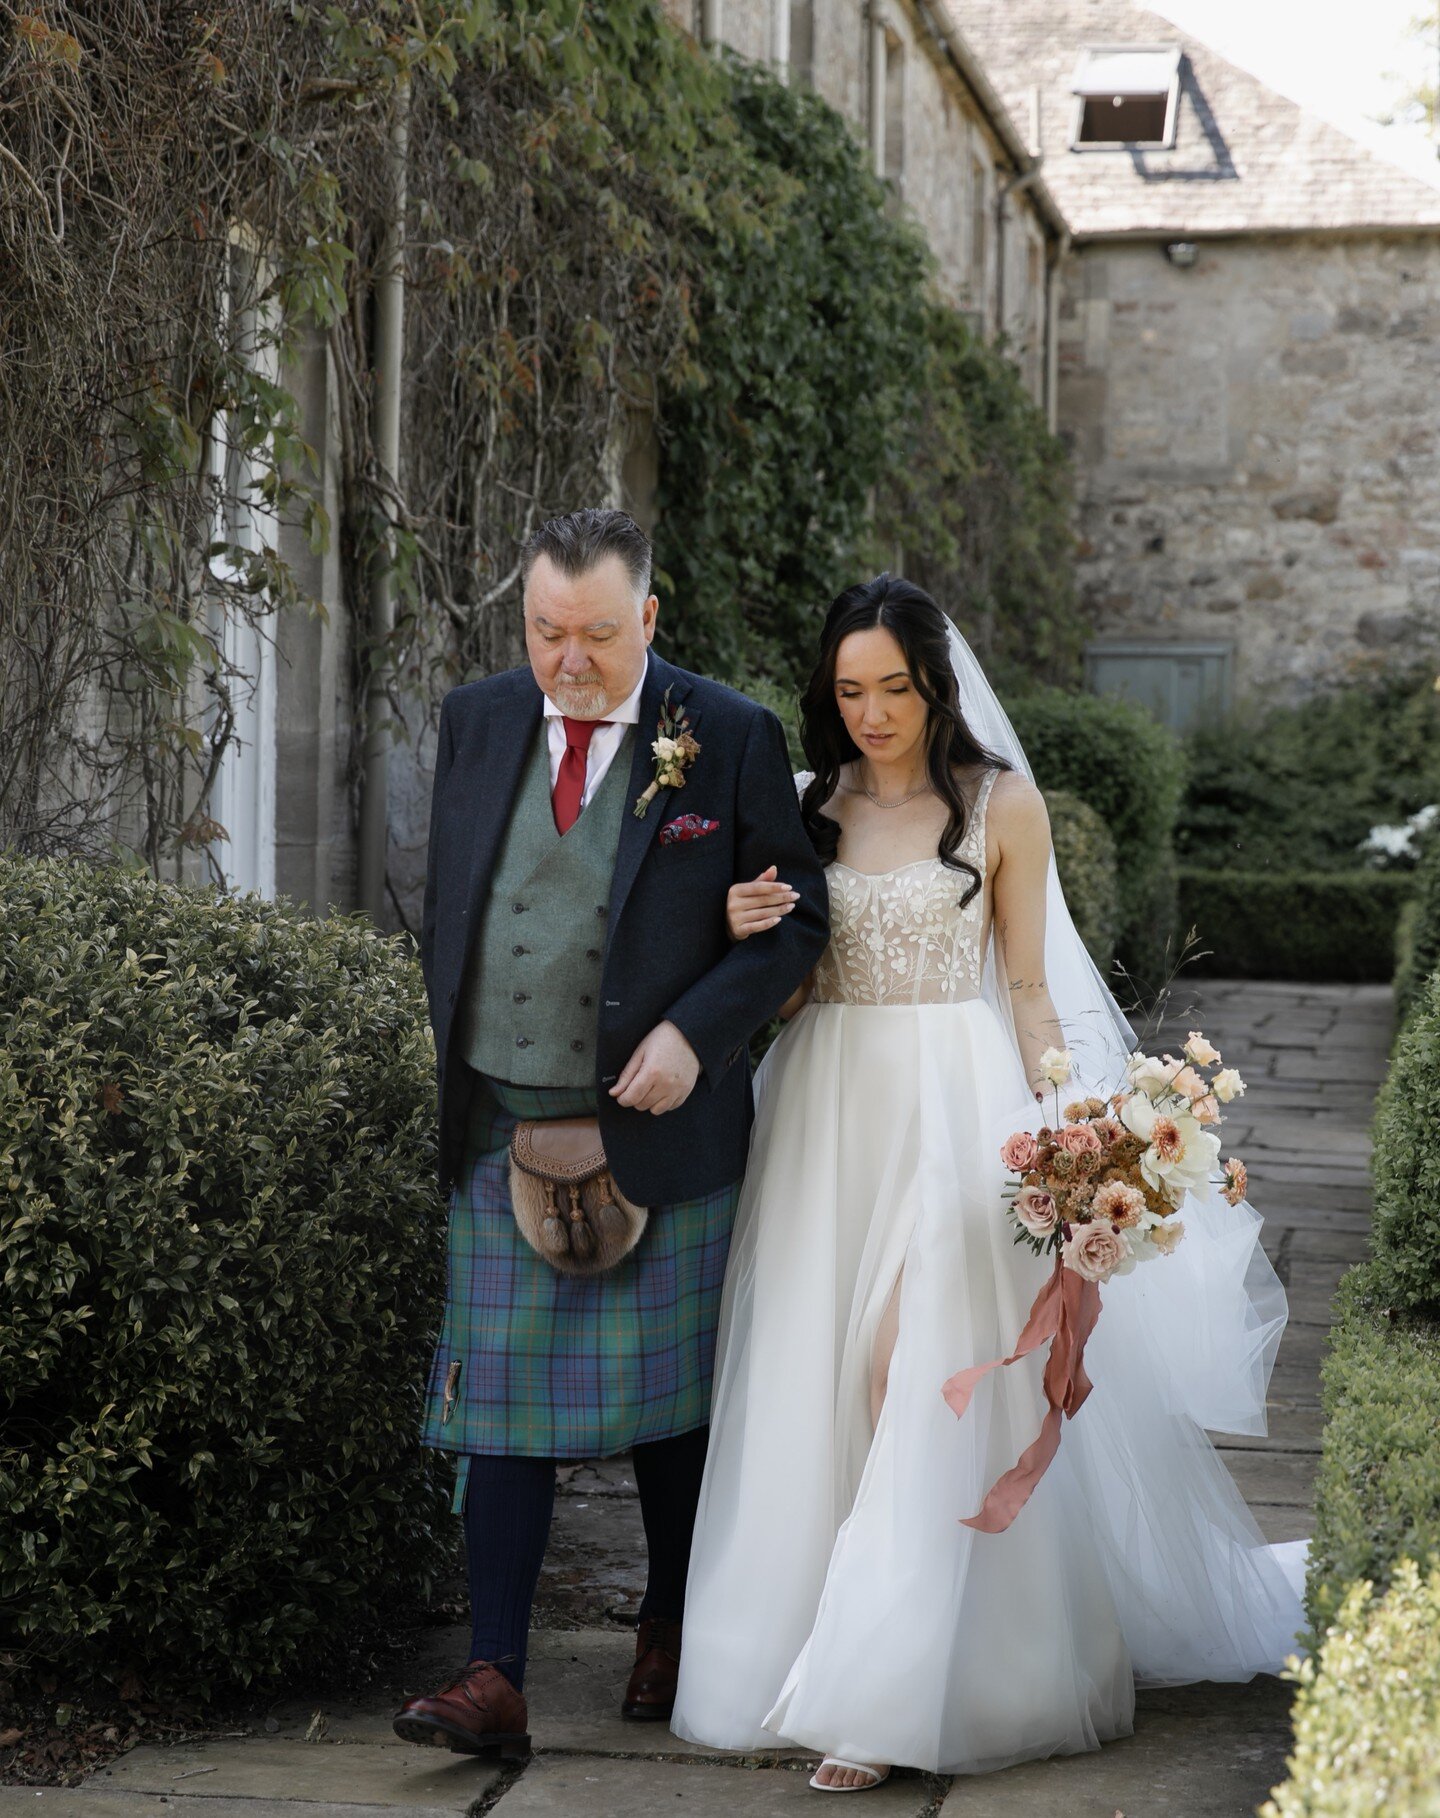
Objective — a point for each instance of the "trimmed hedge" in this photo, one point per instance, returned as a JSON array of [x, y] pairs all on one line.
[[1085, 859], [1377, 1490], [223, 1252], [1299, 788], [1417, 945], [1330, 925], [1406, 1166], [1367, 1713], [1131, 771]]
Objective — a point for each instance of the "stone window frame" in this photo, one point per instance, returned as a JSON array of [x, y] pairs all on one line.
[[1092, 53]]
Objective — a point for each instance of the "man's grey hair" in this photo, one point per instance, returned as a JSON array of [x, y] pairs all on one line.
[[579, 540]]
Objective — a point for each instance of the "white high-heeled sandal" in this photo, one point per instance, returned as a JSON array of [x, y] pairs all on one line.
[[877, 1775]]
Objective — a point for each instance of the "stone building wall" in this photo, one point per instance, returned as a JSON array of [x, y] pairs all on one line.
[[1256, 442]]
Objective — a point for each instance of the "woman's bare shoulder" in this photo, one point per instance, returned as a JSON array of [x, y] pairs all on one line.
[[1017, 808]]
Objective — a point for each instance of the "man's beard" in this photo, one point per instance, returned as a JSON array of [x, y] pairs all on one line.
[[581, 700]]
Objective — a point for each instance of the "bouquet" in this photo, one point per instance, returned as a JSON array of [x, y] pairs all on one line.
[[1100, 1190], [1102, 1187]]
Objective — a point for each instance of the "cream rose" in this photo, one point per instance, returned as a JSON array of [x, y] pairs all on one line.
[[1166, 1235], [1055, 1065], [1019, 1151], [1206, 1110], [1227, 1085], [1189, 1084], [1200, 1051], [664, 749], [1098, 1251], [1037, 1211]]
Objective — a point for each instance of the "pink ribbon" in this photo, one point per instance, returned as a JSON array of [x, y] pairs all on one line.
[[1065, 1312]]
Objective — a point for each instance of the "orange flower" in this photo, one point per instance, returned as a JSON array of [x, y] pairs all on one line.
[[1236, 1180], [1166, 1140]]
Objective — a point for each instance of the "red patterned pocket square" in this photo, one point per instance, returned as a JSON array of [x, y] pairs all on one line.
[[687, 827]]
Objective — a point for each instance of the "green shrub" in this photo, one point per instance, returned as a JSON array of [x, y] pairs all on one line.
[[1367, 1714], [1377, 1490], [1299, 788], [223, 1256], [1417, 945], [1301, 925], [1406, 1165], [1130, 769], [1085, 859]]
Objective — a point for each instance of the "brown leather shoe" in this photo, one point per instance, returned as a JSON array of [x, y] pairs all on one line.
[[650, 1695], [478, 1710]]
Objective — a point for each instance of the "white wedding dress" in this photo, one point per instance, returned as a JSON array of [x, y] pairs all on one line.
[[835, 1600]]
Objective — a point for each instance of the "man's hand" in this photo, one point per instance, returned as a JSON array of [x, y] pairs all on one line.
[[660, 1075]]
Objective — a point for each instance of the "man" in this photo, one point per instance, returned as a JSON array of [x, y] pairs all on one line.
[[577, 960]]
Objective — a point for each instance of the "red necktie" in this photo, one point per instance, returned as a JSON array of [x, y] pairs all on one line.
[[569, 790]]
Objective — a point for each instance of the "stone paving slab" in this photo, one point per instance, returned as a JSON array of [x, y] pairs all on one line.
[[580, 1786], [286, 1769], [81, 1802], [1208, 1751]]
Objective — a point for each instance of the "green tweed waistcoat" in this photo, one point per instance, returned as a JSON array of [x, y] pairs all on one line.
[[531, 999]]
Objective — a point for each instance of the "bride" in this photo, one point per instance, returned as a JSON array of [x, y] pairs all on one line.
[[835, 1600]]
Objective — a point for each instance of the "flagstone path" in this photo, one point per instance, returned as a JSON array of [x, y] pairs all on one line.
[[1314, 1056]]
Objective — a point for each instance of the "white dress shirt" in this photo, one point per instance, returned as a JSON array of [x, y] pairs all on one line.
[[604, 743]]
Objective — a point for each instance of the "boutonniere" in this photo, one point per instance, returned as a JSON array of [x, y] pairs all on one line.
[[675, 751]]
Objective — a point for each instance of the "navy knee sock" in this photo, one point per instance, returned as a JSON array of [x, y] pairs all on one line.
[[667, 1475], [508, 1506]]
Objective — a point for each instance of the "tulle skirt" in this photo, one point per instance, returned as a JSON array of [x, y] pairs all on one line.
[[834, 1599]]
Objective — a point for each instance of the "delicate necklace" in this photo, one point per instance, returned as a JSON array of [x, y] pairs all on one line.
[[922, 790]]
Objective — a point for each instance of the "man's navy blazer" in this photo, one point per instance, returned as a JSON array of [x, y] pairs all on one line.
[[668, 955]]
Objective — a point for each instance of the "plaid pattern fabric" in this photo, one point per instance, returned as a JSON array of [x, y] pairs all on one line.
[[544, 1365]]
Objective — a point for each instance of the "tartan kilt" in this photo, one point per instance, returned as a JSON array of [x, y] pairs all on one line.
[[558, 1366]]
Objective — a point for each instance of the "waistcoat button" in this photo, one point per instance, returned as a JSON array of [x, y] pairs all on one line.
[[592, 953], [522, 997], [600, 910], [585, 1003], [522, 1041], [517, 951], [517, 908], [579, 1047]]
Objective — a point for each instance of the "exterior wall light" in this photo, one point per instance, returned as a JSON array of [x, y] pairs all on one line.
[[1182, 253]]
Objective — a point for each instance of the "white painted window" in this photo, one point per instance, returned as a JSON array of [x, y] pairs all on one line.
[[243, 798], [1126, 97]]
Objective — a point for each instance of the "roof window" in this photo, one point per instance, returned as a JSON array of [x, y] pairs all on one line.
[[1126, 97]]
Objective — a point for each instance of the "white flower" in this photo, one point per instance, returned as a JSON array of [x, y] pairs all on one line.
[[1138, 1115], [1179, 1174], [1227, 1086], [1148, 1075], [664, 749], [1055, 1065]]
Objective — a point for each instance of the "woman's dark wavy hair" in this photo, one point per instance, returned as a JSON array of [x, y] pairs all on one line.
[[921, 629]]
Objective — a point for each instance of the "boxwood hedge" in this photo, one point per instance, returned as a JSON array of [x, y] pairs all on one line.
[[1320, 925], [1406, 1165], [223, 1257], [1085, 859], [1377, 1491], [1131, 771]]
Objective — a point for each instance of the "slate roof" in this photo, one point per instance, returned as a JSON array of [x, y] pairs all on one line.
[[1245, 159]]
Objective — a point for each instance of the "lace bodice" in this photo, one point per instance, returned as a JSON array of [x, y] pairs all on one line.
[[901, 937]]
